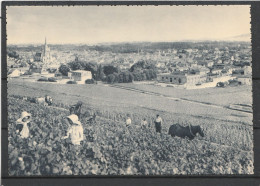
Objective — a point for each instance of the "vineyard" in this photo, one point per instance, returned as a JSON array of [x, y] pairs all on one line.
[[110, 148]]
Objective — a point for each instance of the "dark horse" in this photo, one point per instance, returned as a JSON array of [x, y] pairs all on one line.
[[189, 131], [76, 109]]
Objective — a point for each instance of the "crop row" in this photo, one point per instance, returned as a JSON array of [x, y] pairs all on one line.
[[110, 148]]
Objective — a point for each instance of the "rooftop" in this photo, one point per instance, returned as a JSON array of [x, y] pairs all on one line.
[[243, 76], [80, 71]]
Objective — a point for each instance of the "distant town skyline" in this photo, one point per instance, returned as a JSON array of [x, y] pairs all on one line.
[[108, 24]]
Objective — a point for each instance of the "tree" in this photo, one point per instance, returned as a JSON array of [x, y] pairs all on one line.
[[142, 65], [100, 74], [121, 78], [131, 77], [137, 76], [151, 74], [125, 77], [148, 77], [116, 77], [76, 65], [64, 69], [144, 76], [13, 54], [154, 74], [138, 65], [109, 69], [111, 78], [92, 68]]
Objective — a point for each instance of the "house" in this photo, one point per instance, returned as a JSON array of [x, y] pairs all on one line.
[[80, 76], [219, 61], [174, 78], [247, 70], [202, 63], [244, 79], [229, 70], [180, 78], [204, 70], [216, 71], [14, 73], [193, 65], [189, 50], [219, 66], [210, 64], [38, 56], [174, 51], [194, 79], [35, 68]]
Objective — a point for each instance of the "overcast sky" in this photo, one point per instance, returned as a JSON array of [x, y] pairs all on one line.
[[92, 24]]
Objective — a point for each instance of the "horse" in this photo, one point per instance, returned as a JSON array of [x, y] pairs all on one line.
[[189, 131], [47, 100], [76, 109]]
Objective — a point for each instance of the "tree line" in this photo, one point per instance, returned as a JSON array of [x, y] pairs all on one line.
[[140, 71]]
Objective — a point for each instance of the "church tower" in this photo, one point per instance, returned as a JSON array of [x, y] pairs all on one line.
[[46, 54], [46, 58]]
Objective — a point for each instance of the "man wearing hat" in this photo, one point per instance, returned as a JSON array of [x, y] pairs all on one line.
[[22, 125], [158, 123], [75, 131]]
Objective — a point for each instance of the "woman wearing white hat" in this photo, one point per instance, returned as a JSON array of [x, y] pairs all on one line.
[[22, 125], [75, 131]]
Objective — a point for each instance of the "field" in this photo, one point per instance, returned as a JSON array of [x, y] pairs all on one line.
[[111, 148], [215, 96]]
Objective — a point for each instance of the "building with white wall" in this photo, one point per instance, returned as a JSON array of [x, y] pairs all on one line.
[[80, 76]]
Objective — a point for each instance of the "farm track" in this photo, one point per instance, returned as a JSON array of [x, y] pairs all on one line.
[[179, 99]]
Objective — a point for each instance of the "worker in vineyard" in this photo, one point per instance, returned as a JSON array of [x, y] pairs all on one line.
[[75, 131], [158, 123], [76, 109], [144, 123], [128, 121], [22, 128]]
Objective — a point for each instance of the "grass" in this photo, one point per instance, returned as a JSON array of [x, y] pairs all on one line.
[[219, 96], [112, 98]]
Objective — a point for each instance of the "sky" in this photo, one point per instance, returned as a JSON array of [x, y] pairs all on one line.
[[102, 24]]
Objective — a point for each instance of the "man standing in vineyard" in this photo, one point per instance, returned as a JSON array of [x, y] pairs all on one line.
[[144, 123], [158, 123]]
